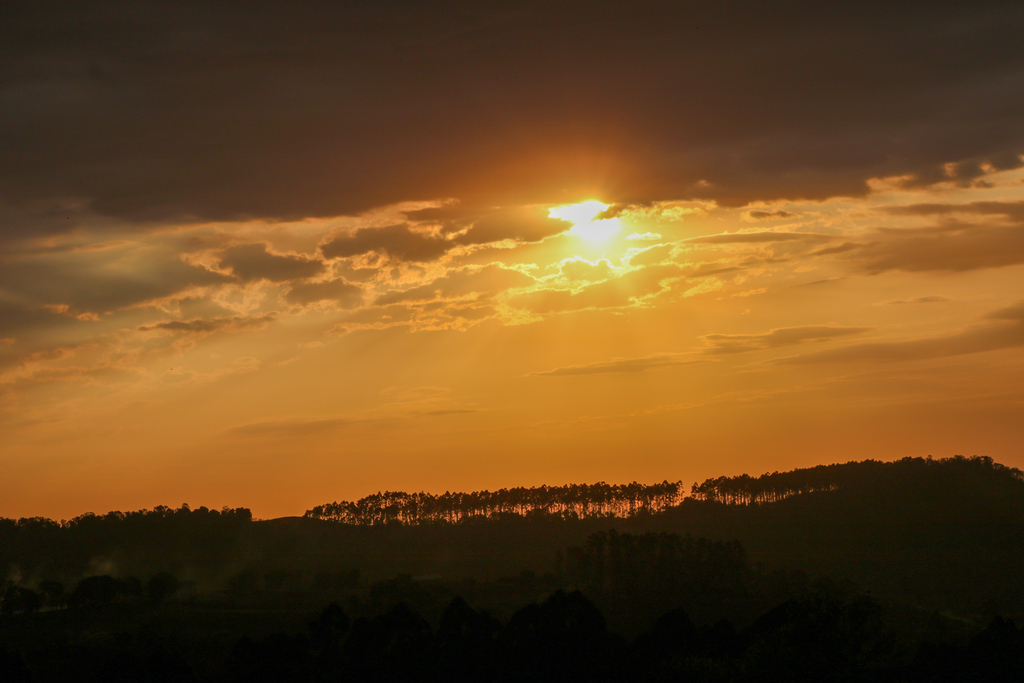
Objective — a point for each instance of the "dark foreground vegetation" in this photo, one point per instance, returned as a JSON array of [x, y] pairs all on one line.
[[906, 571], [561, 638]]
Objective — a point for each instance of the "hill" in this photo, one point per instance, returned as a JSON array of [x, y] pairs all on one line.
[[943, 534]]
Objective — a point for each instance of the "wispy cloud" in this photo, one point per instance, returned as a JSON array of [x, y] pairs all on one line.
[[759, 237], [293, 426], [757, 215], [641, 364], [1009, 210], [1006, 330], [783, 336], [446, 411], [917, 300], [209, 325], [950, 248]]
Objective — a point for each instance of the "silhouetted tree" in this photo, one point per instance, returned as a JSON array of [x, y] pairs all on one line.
[[466, 642], [97, 590], [562, 639], [394, 646], [20, 599], [819, 640], [162, 586], [53, 593]]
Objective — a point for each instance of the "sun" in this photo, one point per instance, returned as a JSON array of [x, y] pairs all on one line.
[[582, 217]]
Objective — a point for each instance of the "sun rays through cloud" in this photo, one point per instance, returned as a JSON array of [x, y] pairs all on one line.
[[585, 221]]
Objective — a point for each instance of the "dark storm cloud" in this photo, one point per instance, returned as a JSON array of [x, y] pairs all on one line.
[[189, 110], [254, 262]]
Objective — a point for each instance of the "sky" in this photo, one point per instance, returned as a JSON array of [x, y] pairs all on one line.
[[274, 255]]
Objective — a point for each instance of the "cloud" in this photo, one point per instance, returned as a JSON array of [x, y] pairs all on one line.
[[468, 226], [759, 237], [952, 246], [368, 106], [755, 215], [255, 262], [709, 269], [822, 281], [101, 281], [18, 319], [1010, 210], [1014, 312], [525, 224], [293, 426], [951, 249], [31, 361], [451, 212], [1006, 330], [479, 282], [783, 336], [207, 326], [918, 300], [581, 270], [651, 255], [342, 293], [840, 248], [626, 290], [445, 411], [419, 316], [397, 241], [629, 365]]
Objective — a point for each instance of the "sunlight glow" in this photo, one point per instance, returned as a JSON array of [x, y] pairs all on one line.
[[582, 217]]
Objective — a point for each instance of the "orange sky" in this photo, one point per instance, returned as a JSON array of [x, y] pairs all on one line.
[[249, 322]]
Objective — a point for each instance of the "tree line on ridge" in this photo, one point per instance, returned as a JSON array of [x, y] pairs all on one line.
[[775, 486], [572, 501], [601, 500]]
